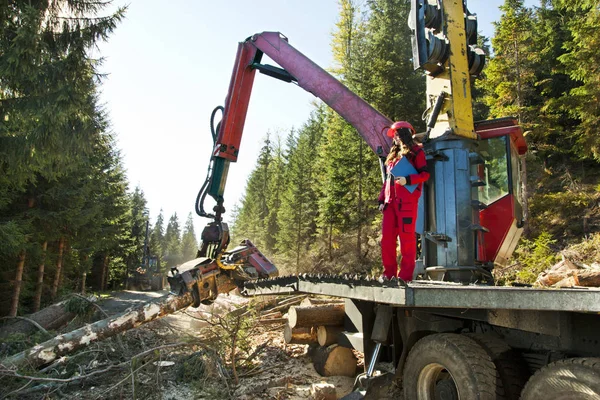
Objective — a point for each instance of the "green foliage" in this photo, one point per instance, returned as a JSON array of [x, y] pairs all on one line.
[[79, 306], [535, 256], [60, 173], [173, 252], [586, 252], [18, 342], [189, 243]]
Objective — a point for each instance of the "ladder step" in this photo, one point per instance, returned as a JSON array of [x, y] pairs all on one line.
[[476, 182], [479, 228], [438, 237], [476, 159]]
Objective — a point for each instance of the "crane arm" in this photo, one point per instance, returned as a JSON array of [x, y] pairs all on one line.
[[295, 67]]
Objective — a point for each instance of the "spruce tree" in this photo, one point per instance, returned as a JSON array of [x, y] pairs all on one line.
[[173, 255], [580, 62], [298, 212], [189, 243]]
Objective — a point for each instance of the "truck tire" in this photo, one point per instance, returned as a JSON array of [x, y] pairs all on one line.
[[573, 379], [512, 371], [449, 366]]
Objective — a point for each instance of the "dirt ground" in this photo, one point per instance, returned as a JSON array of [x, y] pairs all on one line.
[[288, 371], [179, 357]]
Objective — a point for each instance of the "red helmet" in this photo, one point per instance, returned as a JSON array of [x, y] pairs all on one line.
[[397, 125]]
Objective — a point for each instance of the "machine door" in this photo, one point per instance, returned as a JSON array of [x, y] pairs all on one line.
[[501, 211]]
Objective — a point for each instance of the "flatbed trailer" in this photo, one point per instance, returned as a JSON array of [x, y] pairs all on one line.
[[523, 330]]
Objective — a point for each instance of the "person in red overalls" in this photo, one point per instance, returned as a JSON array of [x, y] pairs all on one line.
[[399, 205]]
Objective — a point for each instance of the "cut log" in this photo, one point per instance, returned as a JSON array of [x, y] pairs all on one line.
[[326, 314], [273, 321], [567, 282], [58, 346], [299, 335], [276, 314], [323, 391], [328, 335], [580, 278], [549, 278], [334, 360], [564, 265], [589, 278]]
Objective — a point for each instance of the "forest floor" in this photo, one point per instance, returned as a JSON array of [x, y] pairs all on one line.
[[185, 356]]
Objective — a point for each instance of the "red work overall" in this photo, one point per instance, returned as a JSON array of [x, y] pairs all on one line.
[[400, 216]]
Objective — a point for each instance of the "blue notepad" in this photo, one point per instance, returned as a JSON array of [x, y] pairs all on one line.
[[404, 168]]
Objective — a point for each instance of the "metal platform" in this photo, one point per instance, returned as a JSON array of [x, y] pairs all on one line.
[[432, 295]]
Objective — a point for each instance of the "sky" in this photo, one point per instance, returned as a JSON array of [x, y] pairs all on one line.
[[168, 65]]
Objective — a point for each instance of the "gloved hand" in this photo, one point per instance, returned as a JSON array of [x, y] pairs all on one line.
[[401, 180], [381, 207]]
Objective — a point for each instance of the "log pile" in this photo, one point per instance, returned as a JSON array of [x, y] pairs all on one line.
[[567, 274], [318, 323]]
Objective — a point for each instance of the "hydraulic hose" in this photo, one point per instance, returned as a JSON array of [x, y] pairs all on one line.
[[199, 206]]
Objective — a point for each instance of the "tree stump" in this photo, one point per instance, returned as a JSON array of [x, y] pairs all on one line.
[[334, 360], [326, 315], [328, 335], [299, 335]]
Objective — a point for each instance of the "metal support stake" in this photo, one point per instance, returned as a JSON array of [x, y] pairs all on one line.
[[381, 329], [373, 361]]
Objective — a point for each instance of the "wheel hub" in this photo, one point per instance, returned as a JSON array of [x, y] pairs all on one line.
[[445, 389], [436, 383]]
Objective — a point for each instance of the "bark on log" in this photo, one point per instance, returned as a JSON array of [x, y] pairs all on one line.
[[327, 315], [328, 335], [299, 335], [48, 351], [334, 361]]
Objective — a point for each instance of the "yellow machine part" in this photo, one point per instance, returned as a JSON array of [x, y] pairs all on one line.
[[455, 80]]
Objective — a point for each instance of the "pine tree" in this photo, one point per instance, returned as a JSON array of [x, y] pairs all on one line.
[[510, 74], [157, 236], [395, 88], [173, 255], [275, 192], [49, 118], [580, 62], [189, 243], [251, 221], [298, 212]]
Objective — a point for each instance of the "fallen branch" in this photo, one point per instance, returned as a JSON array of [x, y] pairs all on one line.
[[14, 374], [92, 303], [260, 371], [60, 345]]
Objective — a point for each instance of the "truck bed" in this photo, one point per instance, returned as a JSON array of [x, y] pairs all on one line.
[[430, 294]]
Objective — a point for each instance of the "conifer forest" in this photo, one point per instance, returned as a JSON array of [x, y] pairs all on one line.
[[70, 221]]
